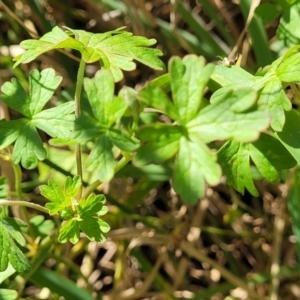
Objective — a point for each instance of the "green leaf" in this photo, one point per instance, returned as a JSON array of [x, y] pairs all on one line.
[[225, 118], [161, 143], [287, 71], [15, 227], [69, 231], [101, 159], [117, 49], [56, 39], [277, 155], [61, 199], [88, 221], [100, 92], [189, 77], [41, 227], [8, 294], [134, 107], [9, 131], [155, 97], [28, 147], [194, 165], [122, 140], [234, 158], [87, 128], [289, 20], [267, 154], [41, 88], [230, 76], [290, 134], [91, 225], [9, 252], [57, 122], [274, 100]]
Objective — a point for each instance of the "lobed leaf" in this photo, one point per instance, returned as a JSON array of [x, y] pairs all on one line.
[[60, 199], [101, 159], [9, 252], [189, 77], [57, 121], [274, 100], [116, 51], [194, 165], [161, 143], [69, 231], [88, 221], [234, 158], [225, 119], [56, 39], [290, 134], [28, 148]]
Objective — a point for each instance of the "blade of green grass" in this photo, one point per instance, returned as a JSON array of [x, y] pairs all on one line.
[[258, 36], [204, 36], [60, 285]]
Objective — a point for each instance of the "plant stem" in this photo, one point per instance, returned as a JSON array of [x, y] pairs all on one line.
[[23, 203], [78, 90]]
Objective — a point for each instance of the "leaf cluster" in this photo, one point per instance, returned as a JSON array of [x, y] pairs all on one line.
[[77, 215]]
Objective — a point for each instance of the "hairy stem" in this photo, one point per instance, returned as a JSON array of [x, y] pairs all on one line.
[[4, 202], [79, 84]]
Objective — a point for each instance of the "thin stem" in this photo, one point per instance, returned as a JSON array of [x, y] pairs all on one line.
[[79, 84], [18, 179], [4, 202]]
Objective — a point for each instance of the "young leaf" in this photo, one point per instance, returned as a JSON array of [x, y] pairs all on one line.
[[60, 199], [56, 39], [69, 231], [91, 225], [115, 50], [9, 251], [88, 221]]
